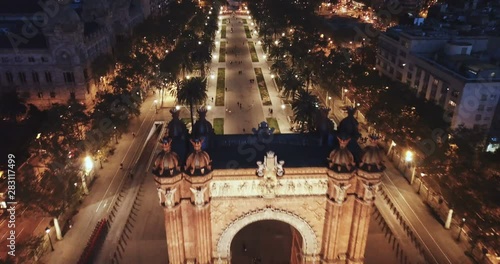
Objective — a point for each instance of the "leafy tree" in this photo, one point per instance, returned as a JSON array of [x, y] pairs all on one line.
[[193, 91], [101, 65], [11, 106], [292, 83]]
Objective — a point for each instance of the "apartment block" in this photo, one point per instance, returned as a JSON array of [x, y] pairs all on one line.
[[457, 72]]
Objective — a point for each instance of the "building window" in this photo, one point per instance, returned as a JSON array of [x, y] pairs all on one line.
[[480, 108], [18, 59], [464, 50], [22, 78], [493, 97], [48, 77], [484, 97], [478, 117], [36, 79], [487, 118], [489, 108], [72, 95], [399, 76], [69, 77], [44, 59], [5, 59], [52, 94], [31, 59], [10, 78]]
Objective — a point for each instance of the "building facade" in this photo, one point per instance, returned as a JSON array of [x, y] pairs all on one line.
[[46, 47], [208, 198], [454, 71]]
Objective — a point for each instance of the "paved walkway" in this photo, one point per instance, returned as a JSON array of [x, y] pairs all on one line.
[[239, 89]]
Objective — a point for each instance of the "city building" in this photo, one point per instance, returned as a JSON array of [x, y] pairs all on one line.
[[457, 71], [46, 47]]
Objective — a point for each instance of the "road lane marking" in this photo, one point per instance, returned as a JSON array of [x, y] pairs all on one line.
[[416, 216], [116, 173]]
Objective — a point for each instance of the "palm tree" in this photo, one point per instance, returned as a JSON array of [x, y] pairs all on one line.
[[292, 83], [193, 91], [305, 109]]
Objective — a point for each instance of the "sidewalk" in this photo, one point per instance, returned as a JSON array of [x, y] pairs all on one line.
[[95, 206]]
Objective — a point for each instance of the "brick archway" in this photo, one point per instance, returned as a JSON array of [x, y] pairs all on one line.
[[310, 242]]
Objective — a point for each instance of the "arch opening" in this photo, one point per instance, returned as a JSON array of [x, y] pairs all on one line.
[[309, 243], [267, 241]]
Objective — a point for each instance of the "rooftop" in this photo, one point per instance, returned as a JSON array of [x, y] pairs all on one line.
[[243, 151]]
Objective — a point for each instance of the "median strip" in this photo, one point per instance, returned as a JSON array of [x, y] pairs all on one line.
[[219, 126], [272, 122], [223, 32], [253, 52], [220, 89], [222, 52], [247, 32], [261, 84]]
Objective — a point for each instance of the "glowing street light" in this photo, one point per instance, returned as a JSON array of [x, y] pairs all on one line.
[[177, 107], [408, 156], [89, 164], [47, 230], [209, 107], [276, 42], [272, 76], [283, 106], [212, 76]]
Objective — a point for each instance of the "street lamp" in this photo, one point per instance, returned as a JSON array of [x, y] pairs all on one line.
[[47, 230], [461, 229], [99, 154], [283, 106], [116, 135], [344, 91], [408, 156], [422, 175]]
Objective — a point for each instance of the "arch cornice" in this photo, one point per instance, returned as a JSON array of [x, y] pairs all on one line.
[[309, 238]]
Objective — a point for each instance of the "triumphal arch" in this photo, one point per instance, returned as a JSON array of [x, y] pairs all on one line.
[[212, 186]]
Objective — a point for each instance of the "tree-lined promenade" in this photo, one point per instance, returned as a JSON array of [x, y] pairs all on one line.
[[304, 55]]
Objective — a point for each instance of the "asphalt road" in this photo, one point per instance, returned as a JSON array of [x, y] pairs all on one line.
[[103, 192]]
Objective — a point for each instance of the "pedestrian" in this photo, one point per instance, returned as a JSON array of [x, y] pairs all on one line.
[[133, 135], [131, 175], [226, 89], [121, 165], [243, 130]]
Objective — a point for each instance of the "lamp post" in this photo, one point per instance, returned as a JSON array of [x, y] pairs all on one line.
[[461, 229], [47, 230], [99, 156], [344, 91], [409, 160], [116, 135], [155, 102], [89, 166]]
